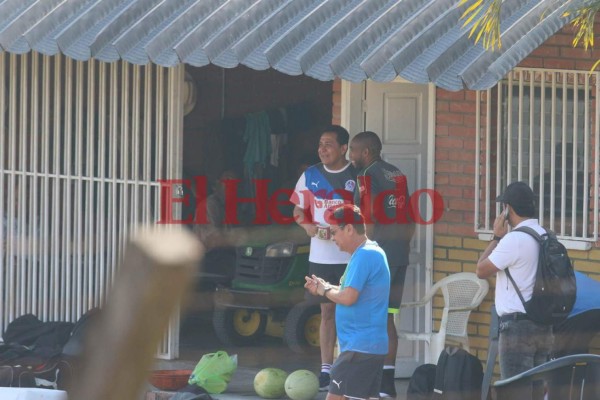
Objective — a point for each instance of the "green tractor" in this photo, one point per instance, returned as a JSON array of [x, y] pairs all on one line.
[[267, 297]]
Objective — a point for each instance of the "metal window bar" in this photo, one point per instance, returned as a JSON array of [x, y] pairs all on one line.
[[552, 142], [82, 146]]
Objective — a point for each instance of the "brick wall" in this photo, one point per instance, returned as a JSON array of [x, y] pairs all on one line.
[[456, 247]]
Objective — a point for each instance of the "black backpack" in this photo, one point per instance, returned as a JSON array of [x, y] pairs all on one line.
[[555, 288], [458, 376], [420, 386]]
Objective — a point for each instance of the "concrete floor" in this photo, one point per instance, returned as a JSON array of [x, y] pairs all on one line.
[[198, 338]]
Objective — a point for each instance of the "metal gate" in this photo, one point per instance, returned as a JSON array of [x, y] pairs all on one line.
[[82, 146], [541, 126]]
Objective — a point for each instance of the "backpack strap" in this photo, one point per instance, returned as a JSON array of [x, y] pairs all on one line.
[[515, 286], [531, 232]]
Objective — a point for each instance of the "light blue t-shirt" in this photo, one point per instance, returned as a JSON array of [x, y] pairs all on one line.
[[362, 326]]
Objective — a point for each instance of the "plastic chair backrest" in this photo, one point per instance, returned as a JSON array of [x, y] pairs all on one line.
[[463, 292], [578, 374]]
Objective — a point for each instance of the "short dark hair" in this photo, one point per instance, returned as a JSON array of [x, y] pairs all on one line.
[[370, 140], [348, 214], [527, 210], [342, 135], [520, 197]]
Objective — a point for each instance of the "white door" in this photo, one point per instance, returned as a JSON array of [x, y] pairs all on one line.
[[400, 113]]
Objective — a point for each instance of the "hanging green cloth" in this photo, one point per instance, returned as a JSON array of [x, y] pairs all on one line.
[[257, 137]]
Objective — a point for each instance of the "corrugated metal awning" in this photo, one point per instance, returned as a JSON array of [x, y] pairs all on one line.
[[420, 40]]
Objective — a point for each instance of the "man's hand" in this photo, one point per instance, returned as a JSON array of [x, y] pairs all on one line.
[[301, 219], [500, 225], [311, 229], [315, 285]]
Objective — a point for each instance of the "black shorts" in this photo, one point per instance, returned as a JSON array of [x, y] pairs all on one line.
[[332, 273], [397, 277], [357, 375]]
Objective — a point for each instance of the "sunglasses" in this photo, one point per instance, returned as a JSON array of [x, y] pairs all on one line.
[[336, 230]]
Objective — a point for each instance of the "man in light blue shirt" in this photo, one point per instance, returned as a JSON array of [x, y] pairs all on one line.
[[361, 308]]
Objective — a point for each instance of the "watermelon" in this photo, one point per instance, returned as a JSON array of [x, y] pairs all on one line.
[[269, 383], [302, 385]]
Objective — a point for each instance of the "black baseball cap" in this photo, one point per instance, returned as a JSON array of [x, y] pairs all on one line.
[[517, 194]]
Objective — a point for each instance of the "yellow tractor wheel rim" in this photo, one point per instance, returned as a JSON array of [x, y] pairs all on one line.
[[311, 330], [246, 322]]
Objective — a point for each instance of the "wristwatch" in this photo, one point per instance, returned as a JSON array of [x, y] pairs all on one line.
[[497, 238], [326, 288]]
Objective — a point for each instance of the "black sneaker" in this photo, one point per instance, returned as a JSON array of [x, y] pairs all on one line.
[[324, 379], [388, 385]]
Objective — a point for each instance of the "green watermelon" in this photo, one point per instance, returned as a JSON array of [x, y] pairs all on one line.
[[302, 385], [269, 383]]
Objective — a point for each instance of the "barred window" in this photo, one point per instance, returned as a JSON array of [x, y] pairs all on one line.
[[538, 126]]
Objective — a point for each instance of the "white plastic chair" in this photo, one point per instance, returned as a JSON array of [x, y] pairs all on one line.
[[463, 292]]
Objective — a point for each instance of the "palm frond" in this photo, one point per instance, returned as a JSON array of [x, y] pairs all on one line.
[[583, 21], [483, 17]]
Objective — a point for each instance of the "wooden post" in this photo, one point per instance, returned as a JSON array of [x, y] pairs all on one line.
[[120, 347]]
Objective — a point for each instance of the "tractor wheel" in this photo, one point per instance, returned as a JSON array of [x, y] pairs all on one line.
[[239, 326], [302, 324]]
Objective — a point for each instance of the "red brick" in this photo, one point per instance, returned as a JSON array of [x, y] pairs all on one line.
[[564, 38], [337, 98], [471, 120], [461, 155], [441, 179], [462, 180], [579, 53], [462, 107], [441, 155], [452, 216], [470, 144], [469, 218], [460, 204], [448, 143], [440, 228], [471, 95], [546, 51], [442, 94], [442, 106], [532, 63], [446, 166], [449, 118], [469, 193], [461, 131], [584, 65], [461, 230], [441, 130], [449, 191], [469, 167], [558, 63]]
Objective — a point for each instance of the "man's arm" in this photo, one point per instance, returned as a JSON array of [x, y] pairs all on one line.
[[317, 286], [485, 268], [302, 220]]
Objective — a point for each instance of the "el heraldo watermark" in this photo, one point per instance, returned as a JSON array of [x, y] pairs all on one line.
[[394, 206]]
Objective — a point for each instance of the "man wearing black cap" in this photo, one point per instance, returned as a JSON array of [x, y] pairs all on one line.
[[522, 343]]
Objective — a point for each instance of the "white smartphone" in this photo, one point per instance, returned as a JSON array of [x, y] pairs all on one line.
[[505, 212]]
